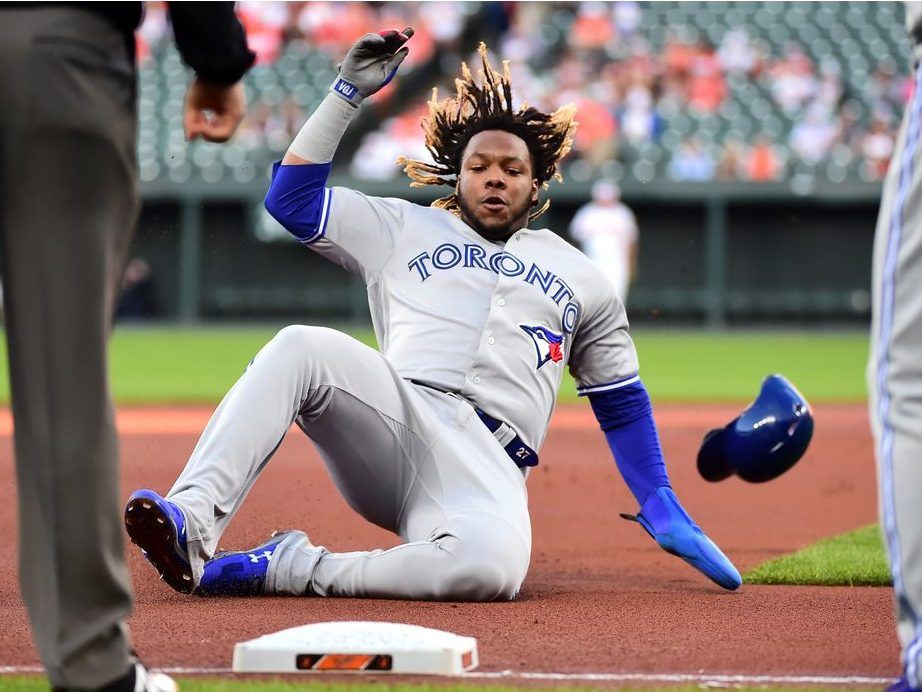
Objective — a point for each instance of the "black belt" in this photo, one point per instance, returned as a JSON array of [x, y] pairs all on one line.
[[521, 454]]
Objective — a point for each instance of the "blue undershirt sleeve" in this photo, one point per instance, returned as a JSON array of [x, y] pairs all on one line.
[[298, 199], [626, 417]]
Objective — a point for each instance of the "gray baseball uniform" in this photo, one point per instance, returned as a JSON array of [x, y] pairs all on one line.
[[463, 324], [895, 368]]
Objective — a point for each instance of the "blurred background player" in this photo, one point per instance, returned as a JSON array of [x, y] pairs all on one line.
[[607, 232], [137, 299], [68, 203], [895, 371]]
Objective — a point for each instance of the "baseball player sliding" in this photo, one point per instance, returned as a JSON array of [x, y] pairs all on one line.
[[477, 314]]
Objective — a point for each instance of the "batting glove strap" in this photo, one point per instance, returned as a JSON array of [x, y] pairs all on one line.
[[347, 91]]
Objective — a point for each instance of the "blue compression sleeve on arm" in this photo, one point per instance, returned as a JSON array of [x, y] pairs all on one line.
[[299, 199], [626, 417]]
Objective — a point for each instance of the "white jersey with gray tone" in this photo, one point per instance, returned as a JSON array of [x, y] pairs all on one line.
[[463, 323], [493, 322], [914, 21], [895, 370]]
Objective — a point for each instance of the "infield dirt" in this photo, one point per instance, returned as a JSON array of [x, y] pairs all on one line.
[[600, 596]]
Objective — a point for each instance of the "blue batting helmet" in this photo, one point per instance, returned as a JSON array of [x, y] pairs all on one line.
[[764, 441]]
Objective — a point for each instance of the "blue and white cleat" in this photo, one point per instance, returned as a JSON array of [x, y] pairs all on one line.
[[242, 572], [664, 518], [158, 527], [901, 684]]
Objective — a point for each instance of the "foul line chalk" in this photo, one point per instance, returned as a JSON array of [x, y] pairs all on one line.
[[692, 678]]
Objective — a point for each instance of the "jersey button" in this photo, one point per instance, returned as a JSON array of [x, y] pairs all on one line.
[[491, 341], [476, 380], [501, 302]]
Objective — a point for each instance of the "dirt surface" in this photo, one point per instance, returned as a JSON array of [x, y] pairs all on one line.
[[600, 595]]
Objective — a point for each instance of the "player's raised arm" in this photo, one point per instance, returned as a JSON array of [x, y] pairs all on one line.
[[298, 197], [368, 67]]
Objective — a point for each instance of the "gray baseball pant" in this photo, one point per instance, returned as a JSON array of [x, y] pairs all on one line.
[[67, 210], [895, 378], [410, 459]]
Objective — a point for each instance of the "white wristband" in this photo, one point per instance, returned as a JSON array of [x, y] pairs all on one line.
[[318, 139]]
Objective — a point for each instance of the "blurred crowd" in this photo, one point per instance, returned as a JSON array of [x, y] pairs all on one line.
[[636, 102]]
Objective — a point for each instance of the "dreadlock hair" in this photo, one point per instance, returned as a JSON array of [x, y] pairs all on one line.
[[454, 121]]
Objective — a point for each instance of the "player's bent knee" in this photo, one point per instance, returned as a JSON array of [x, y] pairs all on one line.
[[298, 335], [302, 341], [485, 572]]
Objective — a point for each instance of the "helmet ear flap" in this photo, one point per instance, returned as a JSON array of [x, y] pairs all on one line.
[[713, 464]]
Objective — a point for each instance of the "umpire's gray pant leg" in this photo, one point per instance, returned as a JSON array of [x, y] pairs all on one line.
[[68, 206], [895, 377]]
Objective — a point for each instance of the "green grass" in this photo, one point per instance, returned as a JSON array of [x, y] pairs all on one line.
[[165, 365], [717, 367], [856, 558]]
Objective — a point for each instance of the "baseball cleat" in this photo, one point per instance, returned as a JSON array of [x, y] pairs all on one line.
[[158, 527], [147, 681], [664, 518], [241, 572], [901, 684]]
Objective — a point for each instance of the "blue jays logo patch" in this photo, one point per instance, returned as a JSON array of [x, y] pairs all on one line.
[[548, 344]]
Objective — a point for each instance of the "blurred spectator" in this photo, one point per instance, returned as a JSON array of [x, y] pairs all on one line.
[[851, 130], [792, 80], [678, 56], [692, 162], [332, 26], [265, 24], [292, 116], [639, 120], [887, 91], [763, 163], [706, 86], [732, 161], [271, 128], [252, 133], [137, 298], [593, 27], [375, 157], [518, 44], [595, 137], [152, 31], [443, 20], [607, 232], [876, 149], [736, 53], [628, 18], [813, 136], [830, 89]]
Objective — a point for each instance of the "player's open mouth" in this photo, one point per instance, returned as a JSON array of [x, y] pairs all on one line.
[[493, 203]]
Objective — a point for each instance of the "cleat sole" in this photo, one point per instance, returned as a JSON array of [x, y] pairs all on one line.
[[150, 530]]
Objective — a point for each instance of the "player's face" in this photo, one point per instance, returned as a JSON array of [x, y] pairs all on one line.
[[496, 187]]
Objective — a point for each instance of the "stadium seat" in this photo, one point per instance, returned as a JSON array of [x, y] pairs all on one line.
[[855, 35]]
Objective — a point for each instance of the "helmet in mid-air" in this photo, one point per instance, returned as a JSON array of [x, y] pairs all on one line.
[[764, 441]]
